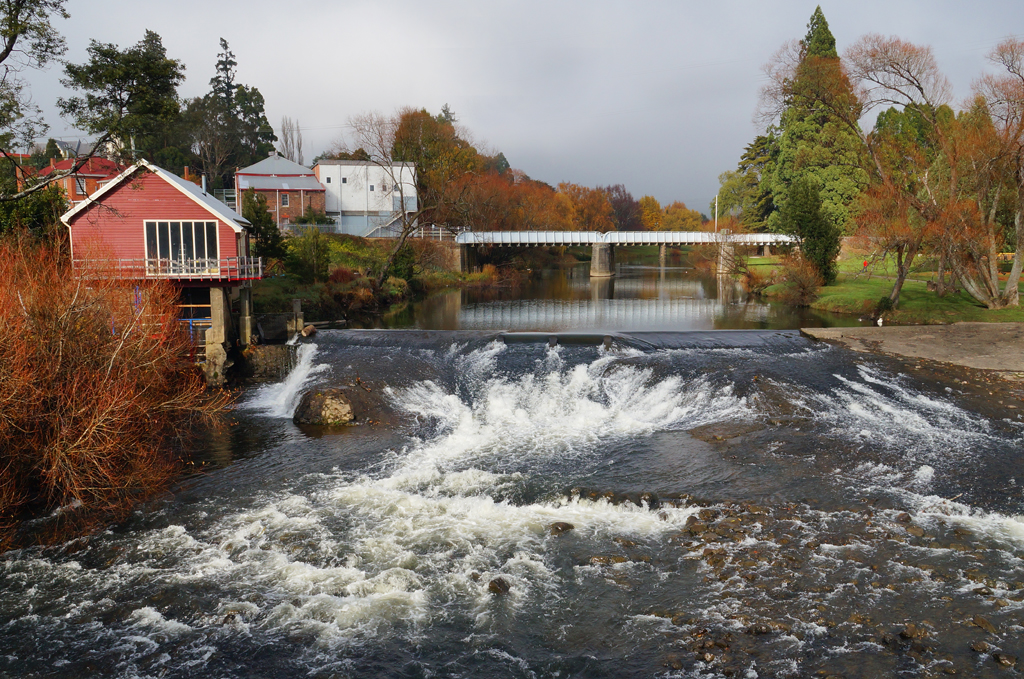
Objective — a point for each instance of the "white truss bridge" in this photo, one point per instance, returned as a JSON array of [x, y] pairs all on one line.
[[621, 238]]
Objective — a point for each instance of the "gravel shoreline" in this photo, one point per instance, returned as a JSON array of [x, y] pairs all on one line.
[[983, 346]]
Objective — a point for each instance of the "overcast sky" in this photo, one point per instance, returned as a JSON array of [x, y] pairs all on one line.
[[658, 96]]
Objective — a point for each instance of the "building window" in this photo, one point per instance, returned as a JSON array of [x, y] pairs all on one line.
[[80, 186], [181, 247], [344, 180], [328, 180], [371, 187], [284, 200]]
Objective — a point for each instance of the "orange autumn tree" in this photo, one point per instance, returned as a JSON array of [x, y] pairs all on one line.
[[1003, 98], [511, 201], [678, 217], [591, 209], [650, 213]]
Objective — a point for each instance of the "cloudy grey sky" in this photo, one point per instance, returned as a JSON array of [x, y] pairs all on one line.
[[658, 96]]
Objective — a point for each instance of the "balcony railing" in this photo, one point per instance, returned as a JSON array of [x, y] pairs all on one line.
[[225, 268]]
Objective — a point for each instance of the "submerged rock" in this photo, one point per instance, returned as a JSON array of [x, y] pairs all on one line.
[[324, 407], [913, 631], [983, 623], [498, 586], [559, 527]]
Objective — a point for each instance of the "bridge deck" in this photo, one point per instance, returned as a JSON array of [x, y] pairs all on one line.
[[624, 238]]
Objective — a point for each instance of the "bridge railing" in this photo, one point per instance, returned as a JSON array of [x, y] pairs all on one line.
[[553, 238]]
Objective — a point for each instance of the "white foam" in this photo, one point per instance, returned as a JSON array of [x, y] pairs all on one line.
[[924, 475], [152, 619], [880, 410], [281, 398], [556, 412]]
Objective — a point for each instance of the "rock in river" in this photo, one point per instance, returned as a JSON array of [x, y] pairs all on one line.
[[325, 407], [498, 585]]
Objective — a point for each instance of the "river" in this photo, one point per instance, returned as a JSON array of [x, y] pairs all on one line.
[[743, 503]]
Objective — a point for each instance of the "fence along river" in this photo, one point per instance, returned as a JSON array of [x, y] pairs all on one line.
[[743, 504]]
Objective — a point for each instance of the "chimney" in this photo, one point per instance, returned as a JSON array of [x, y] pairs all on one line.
[[53, 163], [204, 183], [187, 175]]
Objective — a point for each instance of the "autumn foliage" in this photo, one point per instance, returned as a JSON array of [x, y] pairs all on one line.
[[96, 388]]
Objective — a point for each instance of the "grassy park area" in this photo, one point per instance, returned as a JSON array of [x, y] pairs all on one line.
[[859, 288]]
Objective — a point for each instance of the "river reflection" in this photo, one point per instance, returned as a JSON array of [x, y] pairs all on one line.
[[637, 298]]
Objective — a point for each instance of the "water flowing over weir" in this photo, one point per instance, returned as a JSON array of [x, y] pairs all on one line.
[[744, 504]]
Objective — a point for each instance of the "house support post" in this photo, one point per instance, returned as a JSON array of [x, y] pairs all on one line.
[[662, 254], [217, 340], [245, 322], [602, 262]]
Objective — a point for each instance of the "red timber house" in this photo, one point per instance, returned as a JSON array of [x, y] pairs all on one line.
[[146, 223], [87, 180]]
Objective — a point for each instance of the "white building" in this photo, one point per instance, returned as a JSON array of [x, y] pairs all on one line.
[[366, 199]]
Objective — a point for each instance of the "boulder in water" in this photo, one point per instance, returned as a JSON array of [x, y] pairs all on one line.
[[324, 407], [559, 527], [499, 586]]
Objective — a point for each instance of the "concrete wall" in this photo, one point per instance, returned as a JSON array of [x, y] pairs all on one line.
[[269, 362], [354, 186]]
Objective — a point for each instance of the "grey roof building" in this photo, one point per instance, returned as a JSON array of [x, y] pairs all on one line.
[[290, 189]]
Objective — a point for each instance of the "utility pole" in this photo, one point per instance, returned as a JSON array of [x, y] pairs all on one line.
[[716, 213]]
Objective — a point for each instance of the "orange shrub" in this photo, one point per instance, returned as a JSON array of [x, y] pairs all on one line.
[[96, 386]]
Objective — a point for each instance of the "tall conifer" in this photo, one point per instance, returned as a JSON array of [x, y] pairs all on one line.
[[814, 142], [819, 239]]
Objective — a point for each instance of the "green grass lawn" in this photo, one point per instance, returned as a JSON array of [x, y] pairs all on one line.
[[859, 294]]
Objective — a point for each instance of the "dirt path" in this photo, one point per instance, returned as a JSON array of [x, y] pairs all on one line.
[[985, 346]]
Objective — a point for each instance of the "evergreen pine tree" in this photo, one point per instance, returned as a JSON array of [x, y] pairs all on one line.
[[814, 142], [819, 238]]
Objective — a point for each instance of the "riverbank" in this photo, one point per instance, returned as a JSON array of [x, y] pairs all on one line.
[[986, 346], [859, 289], [984, 362]]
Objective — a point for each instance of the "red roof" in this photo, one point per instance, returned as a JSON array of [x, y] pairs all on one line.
[[99, 167]]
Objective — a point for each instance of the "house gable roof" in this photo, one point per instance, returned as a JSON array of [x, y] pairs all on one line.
[[211, 204], [98, 167], [276, 166]]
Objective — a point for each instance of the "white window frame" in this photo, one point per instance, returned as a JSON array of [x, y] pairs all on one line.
[[166, 261], [80, 186], [284, 200]]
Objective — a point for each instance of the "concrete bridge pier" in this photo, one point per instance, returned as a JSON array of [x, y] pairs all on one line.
[[602, 262], [726, 255], [467, 258]]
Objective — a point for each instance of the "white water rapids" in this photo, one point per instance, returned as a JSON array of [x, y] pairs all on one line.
[[390, 551]]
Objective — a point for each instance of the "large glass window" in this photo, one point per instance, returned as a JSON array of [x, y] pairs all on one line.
[[181, 247]]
